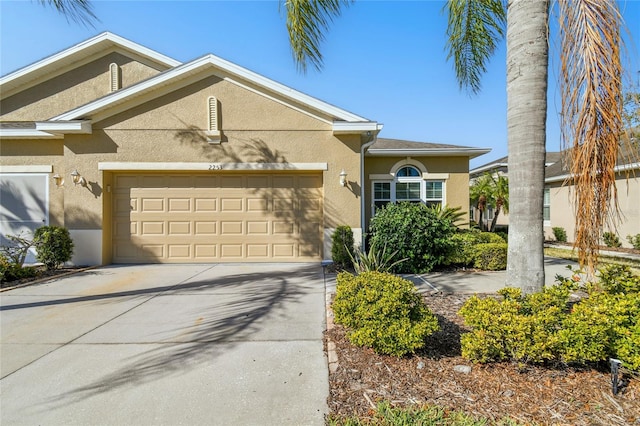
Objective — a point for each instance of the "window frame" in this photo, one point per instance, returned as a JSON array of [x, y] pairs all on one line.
[[415, 176]]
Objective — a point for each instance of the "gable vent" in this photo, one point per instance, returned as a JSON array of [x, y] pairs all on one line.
[[213, 134], [114, 72]]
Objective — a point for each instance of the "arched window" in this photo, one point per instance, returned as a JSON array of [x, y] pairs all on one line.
[[410, 185]]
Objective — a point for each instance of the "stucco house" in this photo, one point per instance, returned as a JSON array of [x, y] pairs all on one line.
[[558, 207], [500, 167], [147, 159]]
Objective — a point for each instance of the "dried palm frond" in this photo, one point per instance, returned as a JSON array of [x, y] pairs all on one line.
[[591, 87]]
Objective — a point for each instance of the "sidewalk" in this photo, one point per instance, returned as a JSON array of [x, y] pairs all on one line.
[[471, 281]]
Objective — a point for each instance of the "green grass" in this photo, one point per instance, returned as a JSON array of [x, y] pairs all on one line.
[[385, 415], [603, 260]]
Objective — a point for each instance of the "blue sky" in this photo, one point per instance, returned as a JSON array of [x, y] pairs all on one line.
[[384, 60]]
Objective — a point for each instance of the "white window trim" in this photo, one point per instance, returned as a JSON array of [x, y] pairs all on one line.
[[546, 222], [392, 179]]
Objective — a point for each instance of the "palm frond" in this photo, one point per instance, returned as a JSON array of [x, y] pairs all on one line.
[[475, 27], [80, 11], [591, 88], [307, 20]]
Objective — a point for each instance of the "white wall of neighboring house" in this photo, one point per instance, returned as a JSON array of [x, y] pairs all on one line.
[[563, 215]]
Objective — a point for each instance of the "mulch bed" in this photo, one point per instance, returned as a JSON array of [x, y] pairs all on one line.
[[43, 275], [528, 394]]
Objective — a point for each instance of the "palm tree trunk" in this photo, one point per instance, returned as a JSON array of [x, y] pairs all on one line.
[[495, 217], [527, 62]]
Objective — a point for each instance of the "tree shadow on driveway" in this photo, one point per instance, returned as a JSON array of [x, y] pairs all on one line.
[[242, 305]]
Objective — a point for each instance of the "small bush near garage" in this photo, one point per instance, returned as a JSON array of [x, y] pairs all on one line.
[[382, 311], [11, 271], [417, 234], [546, 327], [54, 246], [559, 234], [342, 250], [491, 256]]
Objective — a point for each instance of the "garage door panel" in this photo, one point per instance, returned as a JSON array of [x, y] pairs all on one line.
[[179, 204], [206, 228], [213, 218], [231, 204]]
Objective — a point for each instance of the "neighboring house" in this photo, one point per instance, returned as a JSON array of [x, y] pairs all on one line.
[[146, 159], [558, 196], [558, 209], [499, 167]]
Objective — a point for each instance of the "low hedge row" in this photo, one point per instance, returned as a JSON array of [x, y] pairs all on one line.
[[546, 327]]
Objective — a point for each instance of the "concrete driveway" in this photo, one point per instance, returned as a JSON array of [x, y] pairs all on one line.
[[215, 344]]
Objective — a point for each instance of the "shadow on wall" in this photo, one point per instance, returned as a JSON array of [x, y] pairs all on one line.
[[22, 211], [300, 205]]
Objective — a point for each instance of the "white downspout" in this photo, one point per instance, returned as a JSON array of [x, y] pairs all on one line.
[[363, 148]]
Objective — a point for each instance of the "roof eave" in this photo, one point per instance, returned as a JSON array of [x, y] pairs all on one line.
[[12, 80], [28, 134], [196, 66], [357, 127], [429, 152], [617, 169]]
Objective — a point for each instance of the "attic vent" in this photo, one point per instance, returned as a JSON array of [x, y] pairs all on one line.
[[213, 134], [114, 72]]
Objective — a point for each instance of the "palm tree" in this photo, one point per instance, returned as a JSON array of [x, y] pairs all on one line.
[[591, 102], [480, 192], [591, 90], [500, 186]]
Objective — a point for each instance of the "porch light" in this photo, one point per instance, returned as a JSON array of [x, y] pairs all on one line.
[[78, 179], [343, 178], [58, 180]]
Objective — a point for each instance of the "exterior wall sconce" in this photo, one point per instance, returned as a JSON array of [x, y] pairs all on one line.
[[58, 180], [343, 178], [78, 179]]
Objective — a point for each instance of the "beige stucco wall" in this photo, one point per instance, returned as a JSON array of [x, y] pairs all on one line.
[[563, 214], [171, 129], [73, 88], [456, 186]]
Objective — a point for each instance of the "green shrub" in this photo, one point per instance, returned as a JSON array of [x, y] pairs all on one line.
[[516, 328], [342, 251], [465, 243], [544, 326], [11, 271], [416, 232], [634, 240], [54, 246], [490, 256], [559, 234], [382, 311], [503, 235], [611, 240]]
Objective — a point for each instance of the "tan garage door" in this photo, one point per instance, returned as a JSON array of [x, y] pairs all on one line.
[[217, 218]]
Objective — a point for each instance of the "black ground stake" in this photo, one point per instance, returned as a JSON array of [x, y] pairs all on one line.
[[615, 370]]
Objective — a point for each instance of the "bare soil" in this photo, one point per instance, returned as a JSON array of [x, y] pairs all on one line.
[[529, 394]]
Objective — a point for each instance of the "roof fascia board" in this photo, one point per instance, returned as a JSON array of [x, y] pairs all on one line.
[[348, 128], [196, 66], [616, 169], [430, 152], [27, 134], [488, 167], [65, 127], [116, 43]]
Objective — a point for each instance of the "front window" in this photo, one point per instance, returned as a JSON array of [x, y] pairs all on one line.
[[410, 186], [547, 205]]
